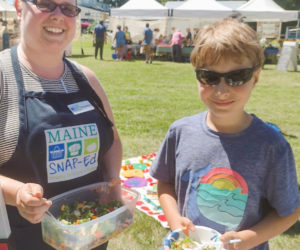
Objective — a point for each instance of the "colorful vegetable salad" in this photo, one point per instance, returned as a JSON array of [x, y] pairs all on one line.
[[80, 212], [188, 243]]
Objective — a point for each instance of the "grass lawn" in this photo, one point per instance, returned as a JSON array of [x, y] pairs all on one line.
[[147, 98]]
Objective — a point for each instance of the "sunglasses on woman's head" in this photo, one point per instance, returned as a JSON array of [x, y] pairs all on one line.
[[68, 10], [232, 78]]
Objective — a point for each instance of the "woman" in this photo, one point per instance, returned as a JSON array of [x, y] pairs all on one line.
[[55, 119], [120, 43]]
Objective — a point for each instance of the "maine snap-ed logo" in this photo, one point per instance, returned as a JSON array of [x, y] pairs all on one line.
[[71, 151]]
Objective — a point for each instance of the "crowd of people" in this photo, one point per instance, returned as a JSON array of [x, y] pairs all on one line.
[[123, 43], [43, 94]]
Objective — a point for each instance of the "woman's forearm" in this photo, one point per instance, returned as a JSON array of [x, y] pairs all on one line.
[[10, 189], [112, 161]]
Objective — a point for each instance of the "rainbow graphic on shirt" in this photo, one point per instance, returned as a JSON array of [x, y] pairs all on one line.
[[222, 196]]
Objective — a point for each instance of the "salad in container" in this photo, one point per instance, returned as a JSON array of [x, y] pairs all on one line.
[[87, 217]]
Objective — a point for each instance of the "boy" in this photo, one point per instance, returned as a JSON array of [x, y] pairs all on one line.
[[224, 168]]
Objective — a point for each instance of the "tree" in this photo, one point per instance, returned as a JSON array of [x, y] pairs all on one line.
[[115, 3], [289, 4], [286, 4], [163, 2]]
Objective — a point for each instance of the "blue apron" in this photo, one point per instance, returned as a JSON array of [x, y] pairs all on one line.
[[62, 140]]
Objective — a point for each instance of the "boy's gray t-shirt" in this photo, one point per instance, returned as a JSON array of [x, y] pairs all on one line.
[[228, 181]]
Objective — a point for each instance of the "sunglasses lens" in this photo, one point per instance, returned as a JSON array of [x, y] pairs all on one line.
[[49, 6], [207, 77], [239, 77], [45, 6], [70, 10], [233, 78]]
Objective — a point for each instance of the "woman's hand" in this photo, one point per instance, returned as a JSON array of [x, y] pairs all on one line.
[[30, 202], [114, 182]]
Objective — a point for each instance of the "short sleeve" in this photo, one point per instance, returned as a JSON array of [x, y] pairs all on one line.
[[281, 185], [163, 167]]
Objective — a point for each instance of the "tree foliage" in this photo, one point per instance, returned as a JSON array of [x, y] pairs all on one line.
[[163, 2], [289, 4], [286, 4], [115, 3]]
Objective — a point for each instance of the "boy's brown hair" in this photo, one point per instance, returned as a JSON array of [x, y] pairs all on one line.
[[226, 39]]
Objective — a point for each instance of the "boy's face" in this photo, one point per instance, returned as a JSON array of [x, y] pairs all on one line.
[[222, 100]]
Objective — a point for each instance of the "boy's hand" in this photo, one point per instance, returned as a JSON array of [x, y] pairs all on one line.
[[232, 235], [186, 225], [30, 202]]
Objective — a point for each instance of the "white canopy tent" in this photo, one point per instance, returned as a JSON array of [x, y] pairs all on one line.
[[194, 14], [7, 10], [140, 8], [232, 4], [266, 10], [202, 8], [136, 13]]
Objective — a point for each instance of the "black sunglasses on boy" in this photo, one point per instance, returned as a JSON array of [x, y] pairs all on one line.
[[68, 10], [232, 78]]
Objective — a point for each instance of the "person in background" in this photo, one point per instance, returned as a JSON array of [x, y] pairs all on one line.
[[271, 48], [160, 39], [225, 168], [127, 35], [188, 38], [99, 36], [120, 43], [167, 40], [48, 105], [196, 30], [176, 42], [148, 36]]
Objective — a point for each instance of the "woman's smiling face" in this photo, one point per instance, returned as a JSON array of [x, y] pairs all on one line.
[[48, 32]]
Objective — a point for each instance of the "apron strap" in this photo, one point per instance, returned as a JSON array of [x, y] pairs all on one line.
[[22, 106], [84, 86], [17, 68], [21, 90]]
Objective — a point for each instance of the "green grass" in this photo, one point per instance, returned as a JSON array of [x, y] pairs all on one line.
[[146, 99]]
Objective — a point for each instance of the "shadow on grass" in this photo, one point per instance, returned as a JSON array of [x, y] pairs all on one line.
[[80, 56], [290, 136], [294, 230]]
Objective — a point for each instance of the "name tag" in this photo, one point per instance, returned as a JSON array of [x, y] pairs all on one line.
[[80, 107]]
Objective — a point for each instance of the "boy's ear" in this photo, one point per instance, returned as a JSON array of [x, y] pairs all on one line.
[[256, 75]]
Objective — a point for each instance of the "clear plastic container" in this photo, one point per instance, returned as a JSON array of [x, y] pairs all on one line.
[[95, 232], [4, 224]]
